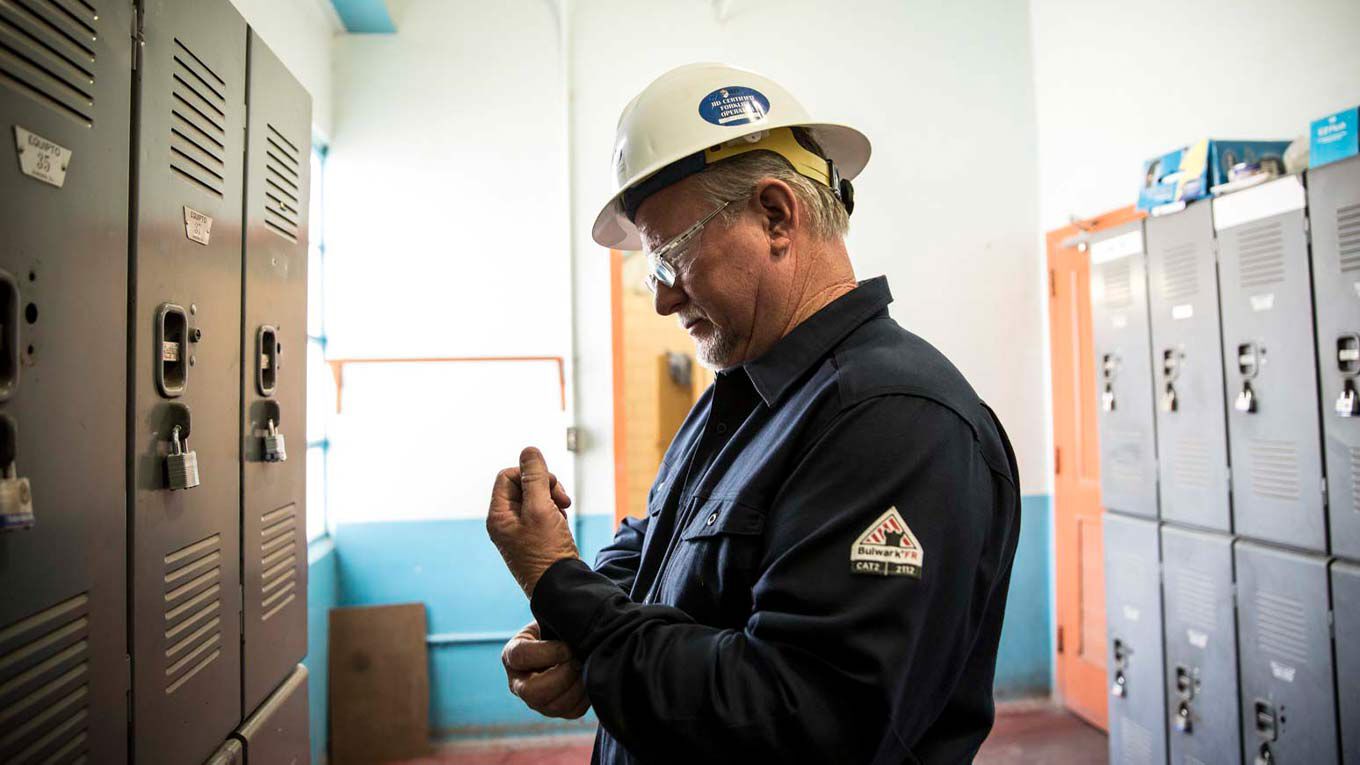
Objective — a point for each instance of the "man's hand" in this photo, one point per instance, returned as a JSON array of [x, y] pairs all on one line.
[[526, 519], [544, 675]]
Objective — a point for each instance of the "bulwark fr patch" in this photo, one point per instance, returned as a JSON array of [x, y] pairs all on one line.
[[887, 548]]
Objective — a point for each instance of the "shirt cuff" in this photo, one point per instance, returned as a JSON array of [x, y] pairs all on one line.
[[566, 599]]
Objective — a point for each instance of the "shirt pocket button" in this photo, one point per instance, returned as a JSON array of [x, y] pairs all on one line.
[[712, 518]]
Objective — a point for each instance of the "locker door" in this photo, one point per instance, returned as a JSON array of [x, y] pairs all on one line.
[[1187, 364], [65, 86], [186, 366], [1285, 647], [273, 499], [1133, 599], [277, 732], [1201, 647], [1269, 363], [1334, 211], [1346, 608], [1119, 317]]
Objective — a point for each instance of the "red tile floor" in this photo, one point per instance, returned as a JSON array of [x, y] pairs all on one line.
[[1024, 733]]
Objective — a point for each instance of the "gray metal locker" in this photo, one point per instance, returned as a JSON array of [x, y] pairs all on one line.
[[274, 385], [1346, 608], [1187, 364], [1119, 318], [1269, 361], [277, 733], [1201, 647], [1133, 606], [1284, 647], [186, 372], [65, 88], [1334, 212]]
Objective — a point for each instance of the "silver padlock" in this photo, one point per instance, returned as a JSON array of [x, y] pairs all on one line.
[[1246, 400], [274, 447], [1347, 405], [16, 501], [181, 465], [1107, 402], [1169, 399]]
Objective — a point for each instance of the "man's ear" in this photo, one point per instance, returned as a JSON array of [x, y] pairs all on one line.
[[779, 210]]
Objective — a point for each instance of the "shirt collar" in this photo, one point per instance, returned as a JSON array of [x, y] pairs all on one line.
[[775, 372]]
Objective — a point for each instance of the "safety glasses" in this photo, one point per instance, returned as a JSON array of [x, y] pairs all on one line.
[[663, 262]]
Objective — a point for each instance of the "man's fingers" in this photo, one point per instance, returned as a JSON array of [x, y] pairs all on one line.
[[569, 699], [559, 493], [506, 488], [540, 689], [534, 655], [533, 475]]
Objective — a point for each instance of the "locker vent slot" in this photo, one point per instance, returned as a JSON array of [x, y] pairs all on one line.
[[1274, 469], [44, 684], [1135, 741], [1197, 598], [198, 122], [1180, 277], [1355, 477], [1119, 284], [1125, 456], [282, 195], [1260, 254], [193, 610], [278, 560], [1190, 468], [47, 54], [1281, 627], [1348, 237]]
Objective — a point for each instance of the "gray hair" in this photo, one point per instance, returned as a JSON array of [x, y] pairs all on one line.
[[735, 178]]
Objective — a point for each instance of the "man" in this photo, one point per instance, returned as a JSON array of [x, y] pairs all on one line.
[[822, 569]]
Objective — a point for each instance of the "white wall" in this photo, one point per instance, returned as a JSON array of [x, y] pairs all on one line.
[[446, 231], [1119, 82], [300, 32], [946, 207]]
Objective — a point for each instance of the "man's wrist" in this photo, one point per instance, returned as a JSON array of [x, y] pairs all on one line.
[[531, 585]]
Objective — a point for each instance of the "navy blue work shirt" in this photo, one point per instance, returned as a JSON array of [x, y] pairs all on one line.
[[822, 570]]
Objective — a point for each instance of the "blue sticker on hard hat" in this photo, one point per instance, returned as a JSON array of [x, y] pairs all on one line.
[[734, 105]]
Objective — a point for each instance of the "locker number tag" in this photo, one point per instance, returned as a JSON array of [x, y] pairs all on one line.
[[197, 226], [40, 158]]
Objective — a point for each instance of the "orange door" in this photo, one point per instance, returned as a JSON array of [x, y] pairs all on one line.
[[1080, 561]]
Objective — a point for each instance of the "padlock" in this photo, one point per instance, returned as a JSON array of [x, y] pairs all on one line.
[[274, 448], [1347, 405], [1246, 400], [1117, 689], [181, 465], [1181, 721], [16, 501], [1169, 399], [1107, 399]]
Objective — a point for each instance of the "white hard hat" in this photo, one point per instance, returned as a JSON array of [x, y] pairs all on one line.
[[699, 114]]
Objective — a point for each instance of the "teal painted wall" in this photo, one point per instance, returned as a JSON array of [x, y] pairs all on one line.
[[323, 594], [454, 569]]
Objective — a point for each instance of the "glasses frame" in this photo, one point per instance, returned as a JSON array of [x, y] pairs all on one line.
[[661, 264]]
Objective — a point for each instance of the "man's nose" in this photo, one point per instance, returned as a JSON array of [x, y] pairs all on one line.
[[667, 300]]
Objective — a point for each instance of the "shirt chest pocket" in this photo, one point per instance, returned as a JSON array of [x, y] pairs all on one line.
[[715, 562]]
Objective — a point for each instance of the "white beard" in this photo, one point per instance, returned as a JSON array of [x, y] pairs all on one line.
[[715, 350]]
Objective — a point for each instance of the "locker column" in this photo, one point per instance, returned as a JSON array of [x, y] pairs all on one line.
[[186, 371], [65, 87]]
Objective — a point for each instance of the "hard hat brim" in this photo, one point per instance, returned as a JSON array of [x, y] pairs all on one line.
[[844, 145]]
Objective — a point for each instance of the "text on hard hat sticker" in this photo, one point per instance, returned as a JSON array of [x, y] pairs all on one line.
[[734, 105]]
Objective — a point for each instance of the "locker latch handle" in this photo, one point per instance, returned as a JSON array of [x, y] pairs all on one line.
[[172, 350], [1248, 360], [1348, 354], [9, 335], [1267, 723], [267, 359], [1185, 685]]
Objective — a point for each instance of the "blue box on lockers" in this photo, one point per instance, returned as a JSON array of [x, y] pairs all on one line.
[[1191, 172], [1334, 137]]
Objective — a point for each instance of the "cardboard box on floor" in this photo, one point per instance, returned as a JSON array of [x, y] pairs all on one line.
[[379, 684]]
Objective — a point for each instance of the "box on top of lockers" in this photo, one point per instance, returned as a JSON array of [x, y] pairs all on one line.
[[1191, 172], [1334, 137]]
